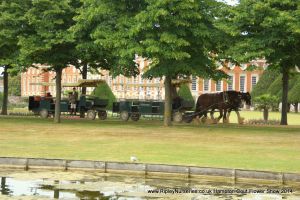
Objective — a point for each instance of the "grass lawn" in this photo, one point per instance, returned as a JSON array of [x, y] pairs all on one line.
[[230, 146], [293, 118]]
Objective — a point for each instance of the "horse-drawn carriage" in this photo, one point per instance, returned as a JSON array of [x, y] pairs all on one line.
[[134, 109], [91, 105], [224, 102]]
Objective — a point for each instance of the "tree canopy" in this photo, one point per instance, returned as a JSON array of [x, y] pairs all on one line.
[[267, 29], [268, 77], [49, 42], [178, 38], [12, 25]]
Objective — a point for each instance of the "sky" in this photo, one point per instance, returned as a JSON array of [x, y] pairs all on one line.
[[231, 2]]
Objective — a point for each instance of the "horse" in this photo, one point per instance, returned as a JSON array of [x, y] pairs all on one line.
[[223, 101], [246, 97]]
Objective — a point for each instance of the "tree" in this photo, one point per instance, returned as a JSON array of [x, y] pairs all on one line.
[[275, 87], [103, 27], [48, 42], [265, 102], [294, 94], [178, 37], [103, 91], [185, 92], [12, 24], [267, 29], [87, 54], [269, 76], [100, 33]]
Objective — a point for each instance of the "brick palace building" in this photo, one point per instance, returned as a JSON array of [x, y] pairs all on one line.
[[240, 79]]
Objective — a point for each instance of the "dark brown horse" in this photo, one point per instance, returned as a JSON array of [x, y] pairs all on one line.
[[223, 101]]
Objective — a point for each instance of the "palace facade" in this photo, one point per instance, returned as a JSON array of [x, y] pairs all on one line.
[[38, 81]]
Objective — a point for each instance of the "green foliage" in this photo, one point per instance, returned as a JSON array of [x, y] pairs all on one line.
[[185, 92], [266, 101], [86, 52], [12, 24], [48, 42], [294, 93], [263, 84], [268, 29], [14, 88], [275, 88], [102, 28], [178, 37], [103, 91]]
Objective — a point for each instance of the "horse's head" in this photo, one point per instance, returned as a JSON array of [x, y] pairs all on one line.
[[246, 97]]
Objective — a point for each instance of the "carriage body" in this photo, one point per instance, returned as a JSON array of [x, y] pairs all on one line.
[[46, 106], [134, 108], [87, 104]]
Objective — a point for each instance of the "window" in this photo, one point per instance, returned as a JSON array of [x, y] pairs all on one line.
[[219, 86], [206, 85], [242, 83], [194, 83], [230, 83], [253, 81]]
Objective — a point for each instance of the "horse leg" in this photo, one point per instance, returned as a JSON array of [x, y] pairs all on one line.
[[224, 117], [204, 118], [228, 114], [212, 114], [240, 119], [221, 115]]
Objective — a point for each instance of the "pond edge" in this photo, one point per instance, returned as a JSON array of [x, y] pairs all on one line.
[[148, 169]]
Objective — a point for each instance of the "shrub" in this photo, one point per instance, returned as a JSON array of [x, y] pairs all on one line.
[[262, 122], [185, 93], [265, 102], [103, 91]]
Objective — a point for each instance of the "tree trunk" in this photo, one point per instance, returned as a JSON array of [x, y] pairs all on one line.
[[83, 89], [174, 93], [84, 76], [296, 107], [168, 102], [5, 91], [285, 84], [58, 95], [266, 114]]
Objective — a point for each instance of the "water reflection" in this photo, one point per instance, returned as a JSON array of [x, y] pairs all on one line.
[[104, 187], [4, 188]]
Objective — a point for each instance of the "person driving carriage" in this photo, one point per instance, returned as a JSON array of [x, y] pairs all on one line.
[[73, 96]]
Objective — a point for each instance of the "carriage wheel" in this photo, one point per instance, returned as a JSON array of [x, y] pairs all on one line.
[[44, 113], [177, 117], [124, 115], [135, 116], [91, 114], [102, 115], [187, 119]]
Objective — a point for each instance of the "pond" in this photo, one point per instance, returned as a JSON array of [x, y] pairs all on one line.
[[42, 184]]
